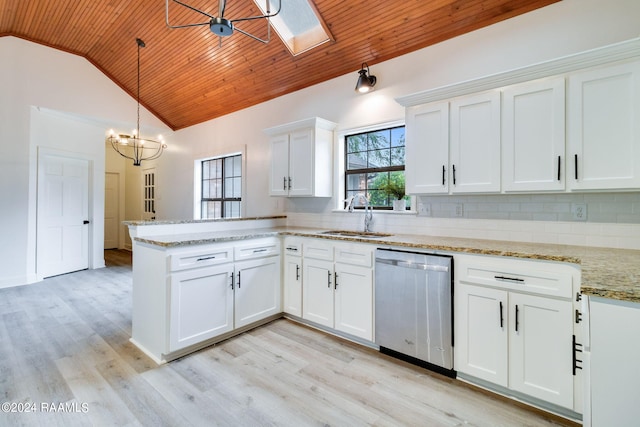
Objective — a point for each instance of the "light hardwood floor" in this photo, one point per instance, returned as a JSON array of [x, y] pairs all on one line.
[[66, 340]]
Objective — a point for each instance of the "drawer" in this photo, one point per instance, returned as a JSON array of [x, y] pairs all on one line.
[[292, 247], [318, 249], [354, 254], [200, 256], [535, 277], [257, 248]]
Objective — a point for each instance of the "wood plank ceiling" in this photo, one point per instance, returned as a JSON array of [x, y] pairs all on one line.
[[187, 78]]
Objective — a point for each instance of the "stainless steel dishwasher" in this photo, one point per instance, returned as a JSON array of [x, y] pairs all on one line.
[[413, 308]]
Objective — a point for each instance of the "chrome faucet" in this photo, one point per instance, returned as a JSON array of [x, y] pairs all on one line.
[[368, 209]]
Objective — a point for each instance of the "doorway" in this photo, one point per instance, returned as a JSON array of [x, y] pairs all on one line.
[[62, 242], [112, 210]]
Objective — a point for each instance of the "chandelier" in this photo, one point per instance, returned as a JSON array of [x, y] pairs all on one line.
[[133, 146]]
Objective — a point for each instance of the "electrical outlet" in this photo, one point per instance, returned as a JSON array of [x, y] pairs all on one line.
[[457, 210], [579, 211], [424, 209]]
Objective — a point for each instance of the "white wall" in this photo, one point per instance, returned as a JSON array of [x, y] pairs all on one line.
[[57, 100], [567, 27]]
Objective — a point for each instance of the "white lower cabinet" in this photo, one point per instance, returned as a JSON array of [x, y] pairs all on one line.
[[514, 326], [339, 295], [292, 277], [185, 297], [201, 305], [257, 290]]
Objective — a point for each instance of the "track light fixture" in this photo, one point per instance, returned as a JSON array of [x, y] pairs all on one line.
[[366, 81]]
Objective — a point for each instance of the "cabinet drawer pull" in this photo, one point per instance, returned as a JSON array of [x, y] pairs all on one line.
[[238, 280], [517, 322], [335, 280], [232, 279], [501, 317], [454, 174], [284, 183], [575, 165], [292, 249], [297, 272], [204, 258], [255, 251], [328, 279], [444, 171], [509, 279], [558, 168], [289, 183]]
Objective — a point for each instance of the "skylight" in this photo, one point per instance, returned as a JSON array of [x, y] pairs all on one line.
[[298, 24]]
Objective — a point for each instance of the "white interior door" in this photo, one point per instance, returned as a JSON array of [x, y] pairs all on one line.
[[63, 215], [111, 210]]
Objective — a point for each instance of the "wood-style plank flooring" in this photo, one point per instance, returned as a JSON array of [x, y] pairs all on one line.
[[65, 341]]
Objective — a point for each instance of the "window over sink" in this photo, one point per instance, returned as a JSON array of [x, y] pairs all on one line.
[[374, 164]]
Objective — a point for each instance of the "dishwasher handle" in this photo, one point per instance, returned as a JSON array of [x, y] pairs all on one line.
[[414, 265]]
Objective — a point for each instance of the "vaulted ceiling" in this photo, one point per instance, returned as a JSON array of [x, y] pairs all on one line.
[[187, 78]]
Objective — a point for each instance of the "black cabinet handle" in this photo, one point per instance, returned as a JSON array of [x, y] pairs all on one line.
[[517, 318], [284, 183], [509, 279], [85, 222], [297, 272], [289, 183], [501, 317], [328, 279], [558, 168], [232, 279], [575, 351], [575, 165], [454, 174], [444, 172], [335, 280], [238, 280]]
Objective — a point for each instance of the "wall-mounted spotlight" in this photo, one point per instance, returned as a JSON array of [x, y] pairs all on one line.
[[366, 82]]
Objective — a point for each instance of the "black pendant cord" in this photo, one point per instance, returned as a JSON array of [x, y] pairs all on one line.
[[138, 147]]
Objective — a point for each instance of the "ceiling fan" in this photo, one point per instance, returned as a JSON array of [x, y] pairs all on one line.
[[221, 26]]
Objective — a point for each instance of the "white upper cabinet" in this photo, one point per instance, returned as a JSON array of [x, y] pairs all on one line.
[[475, 143], [427, 149], [533, 136], [604, 128], [301, 159]]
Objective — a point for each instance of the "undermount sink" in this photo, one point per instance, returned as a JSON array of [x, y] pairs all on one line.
[[360, 234]]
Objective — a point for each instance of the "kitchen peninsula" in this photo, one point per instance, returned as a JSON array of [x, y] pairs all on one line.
[[608, 281]]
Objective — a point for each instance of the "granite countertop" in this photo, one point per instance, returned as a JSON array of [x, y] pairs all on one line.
[[606, 272]]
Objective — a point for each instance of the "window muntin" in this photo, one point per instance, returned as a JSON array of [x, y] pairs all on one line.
[[371, 160], [221, 187]]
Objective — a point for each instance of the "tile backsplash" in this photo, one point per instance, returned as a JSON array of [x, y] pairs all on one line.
[[612, 219]]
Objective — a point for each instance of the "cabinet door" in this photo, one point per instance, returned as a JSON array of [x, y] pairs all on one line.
[[201, 305], [427, 149], [317, 294], [604, 130], [475, 143], [481, 339], [257, 293], [353, 287], [533, 142], [540, 353], [293, 285], [279, 174], [301, 163]]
